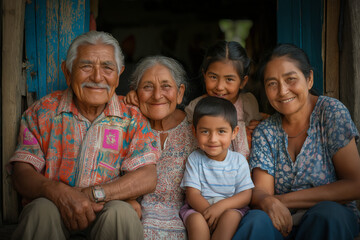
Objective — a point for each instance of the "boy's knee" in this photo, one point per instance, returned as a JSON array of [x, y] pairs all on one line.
[[231, 213]]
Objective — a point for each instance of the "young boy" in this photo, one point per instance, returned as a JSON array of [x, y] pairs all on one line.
[[217, 180]]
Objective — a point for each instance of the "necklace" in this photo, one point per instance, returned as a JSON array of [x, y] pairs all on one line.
[[301, 132]]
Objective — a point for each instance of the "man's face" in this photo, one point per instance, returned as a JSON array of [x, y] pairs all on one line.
[[94, 75]]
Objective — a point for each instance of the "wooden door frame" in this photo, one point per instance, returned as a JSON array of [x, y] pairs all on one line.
[[12, 87]]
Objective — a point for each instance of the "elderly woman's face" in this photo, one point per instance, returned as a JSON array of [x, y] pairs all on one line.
[[94, 76], [286, 87], [158, 94]]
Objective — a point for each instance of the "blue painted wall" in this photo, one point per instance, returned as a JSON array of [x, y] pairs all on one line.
[[300, 22], [50, 27]]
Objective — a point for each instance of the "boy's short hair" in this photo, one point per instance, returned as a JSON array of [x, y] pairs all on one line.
[[215, 106]]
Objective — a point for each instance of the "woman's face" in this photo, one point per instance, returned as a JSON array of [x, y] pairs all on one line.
[[286, 87], [222, 80], [158, 94]]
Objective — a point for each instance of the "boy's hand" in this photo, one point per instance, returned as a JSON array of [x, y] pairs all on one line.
[[131, 98], [212, 215]]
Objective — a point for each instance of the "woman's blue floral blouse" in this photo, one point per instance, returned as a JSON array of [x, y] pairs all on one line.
[[331, 128]]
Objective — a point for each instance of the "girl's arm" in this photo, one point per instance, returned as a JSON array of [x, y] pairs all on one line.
[[196, 200], [347, 166]]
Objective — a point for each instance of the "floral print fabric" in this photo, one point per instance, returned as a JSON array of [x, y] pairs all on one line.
[[160, 209], [331, 128]]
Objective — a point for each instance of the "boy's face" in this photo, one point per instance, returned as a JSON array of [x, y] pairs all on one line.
[[214, 135]]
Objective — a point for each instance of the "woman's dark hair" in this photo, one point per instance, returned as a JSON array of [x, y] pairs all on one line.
[[232, 51], [293, 53], [215, 107]]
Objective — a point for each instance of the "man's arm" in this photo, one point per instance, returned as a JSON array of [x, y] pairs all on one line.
[[76, 209], [131, 185]]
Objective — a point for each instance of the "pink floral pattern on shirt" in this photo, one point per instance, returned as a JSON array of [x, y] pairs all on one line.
[[63, 145], [160, 209]]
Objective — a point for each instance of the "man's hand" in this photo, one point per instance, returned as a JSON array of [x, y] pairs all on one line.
[[76, 209]]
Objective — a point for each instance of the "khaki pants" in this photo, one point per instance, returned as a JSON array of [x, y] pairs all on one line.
[[41, 219]]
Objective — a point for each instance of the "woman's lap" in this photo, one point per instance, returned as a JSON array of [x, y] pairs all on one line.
[[336, 220]]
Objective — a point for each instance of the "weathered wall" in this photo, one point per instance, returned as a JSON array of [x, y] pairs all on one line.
[[350, 59]]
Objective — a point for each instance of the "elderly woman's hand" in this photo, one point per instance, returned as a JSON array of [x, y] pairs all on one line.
[[131, 98], [279, 214], [136, 206]]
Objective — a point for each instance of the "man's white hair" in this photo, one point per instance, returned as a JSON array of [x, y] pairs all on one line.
[[94, 38]]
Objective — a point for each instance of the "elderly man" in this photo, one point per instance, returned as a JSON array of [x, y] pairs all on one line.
[[82, 152]]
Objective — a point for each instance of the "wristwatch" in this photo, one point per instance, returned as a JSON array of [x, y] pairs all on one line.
[[98, 193]]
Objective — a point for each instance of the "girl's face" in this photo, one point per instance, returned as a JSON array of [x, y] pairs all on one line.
[[222, 80], [286, 87]]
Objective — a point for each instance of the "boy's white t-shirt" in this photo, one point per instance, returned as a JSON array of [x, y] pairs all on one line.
[[217, 178]]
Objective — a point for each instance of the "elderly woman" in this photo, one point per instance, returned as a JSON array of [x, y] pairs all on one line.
[[304, 160], [159, 83]]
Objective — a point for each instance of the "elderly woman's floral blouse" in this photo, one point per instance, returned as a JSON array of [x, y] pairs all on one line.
[[331, 128], [160, 209]]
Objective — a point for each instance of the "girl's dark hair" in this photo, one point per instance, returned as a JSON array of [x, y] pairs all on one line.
[[293, 53], [215, 106], [224, 50]]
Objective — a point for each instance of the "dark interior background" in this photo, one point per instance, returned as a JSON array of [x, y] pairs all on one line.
[[183, 30]]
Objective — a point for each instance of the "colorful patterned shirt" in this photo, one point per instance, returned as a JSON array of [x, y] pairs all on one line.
[[331, 128], [64, 146]]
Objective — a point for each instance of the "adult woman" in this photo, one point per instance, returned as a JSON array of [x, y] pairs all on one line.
[[160, 85], [304, 160]]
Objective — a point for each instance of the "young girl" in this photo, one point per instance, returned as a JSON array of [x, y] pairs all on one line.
[[217, 180], [225, 70]]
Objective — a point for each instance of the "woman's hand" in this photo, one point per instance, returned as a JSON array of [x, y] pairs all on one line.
[[136, 206], [131, 98], [279, 214], [263, 198]]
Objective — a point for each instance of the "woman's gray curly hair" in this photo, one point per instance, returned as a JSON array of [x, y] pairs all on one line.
[[176, 70]]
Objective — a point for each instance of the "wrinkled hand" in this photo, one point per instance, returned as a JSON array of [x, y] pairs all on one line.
[[212, 215], [131, 98], [136, 206], [279, 215], [76, 209]]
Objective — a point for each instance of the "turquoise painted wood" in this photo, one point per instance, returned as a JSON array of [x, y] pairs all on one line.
[[50, 27], [300, 22], [30, 50]]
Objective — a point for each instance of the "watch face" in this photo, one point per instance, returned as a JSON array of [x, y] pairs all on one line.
[[99, 194]]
